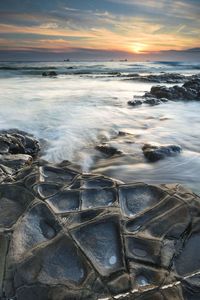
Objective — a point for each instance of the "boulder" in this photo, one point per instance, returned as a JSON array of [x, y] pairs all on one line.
[[155, 153], [108, 150], [18, 142], [190, 90]]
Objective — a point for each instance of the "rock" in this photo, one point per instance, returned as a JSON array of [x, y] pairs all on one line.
[[118, 74], [18, 142], [67, 235], [99, 240], [159, 78], [118, 146], [160, 91], [167, 77], [135, 102], [108, 150], [190, 90], [148, 100], [17, 150], [153, 101], [155, 153], [49, 74], [16, 161]]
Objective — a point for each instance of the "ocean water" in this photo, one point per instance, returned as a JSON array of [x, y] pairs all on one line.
[[86, 104]]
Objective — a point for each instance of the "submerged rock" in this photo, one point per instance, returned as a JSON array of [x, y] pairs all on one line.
[[149, 100], [49, 74], [159, 78], [66, 235], [155, 153], [135, 102]]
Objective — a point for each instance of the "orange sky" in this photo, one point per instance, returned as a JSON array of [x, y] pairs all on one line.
[[136, 27]]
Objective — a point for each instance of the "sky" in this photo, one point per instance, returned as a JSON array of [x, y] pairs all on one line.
[[133, 29]]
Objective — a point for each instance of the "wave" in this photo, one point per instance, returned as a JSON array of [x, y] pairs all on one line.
[[172, 63], [110, 69], [180, 64], [11, 68]]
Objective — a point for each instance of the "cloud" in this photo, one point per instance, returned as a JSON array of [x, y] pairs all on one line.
[[137, 26]]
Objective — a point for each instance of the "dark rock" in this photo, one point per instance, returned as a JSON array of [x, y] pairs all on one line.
[[18, 142], [160, 91], [17, 151], [159, 78], [192, 84], [190, 90], [90, 237], [148, 100], [135, 102], [155, 153], [118, 74], [49, 74], [16, 161], [108, 150], [167, 77], [155, 101]]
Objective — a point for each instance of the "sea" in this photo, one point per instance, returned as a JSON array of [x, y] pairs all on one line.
[[86, 105]]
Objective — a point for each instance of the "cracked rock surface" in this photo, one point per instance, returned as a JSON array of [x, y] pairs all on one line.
[[66, 235]]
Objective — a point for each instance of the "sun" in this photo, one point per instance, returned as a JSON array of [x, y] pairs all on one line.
[[138, 48]]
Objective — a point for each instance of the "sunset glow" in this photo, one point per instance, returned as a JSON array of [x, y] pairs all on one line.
[[132, 27]]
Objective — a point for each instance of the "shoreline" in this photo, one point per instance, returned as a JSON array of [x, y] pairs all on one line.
[[90, 236]]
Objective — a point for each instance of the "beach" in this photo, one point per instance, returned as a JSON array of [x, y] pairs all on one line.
[[85, 105]]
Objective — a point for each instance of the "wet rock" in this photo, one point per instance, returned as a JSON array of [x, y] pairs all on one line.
[[155, 153], [15, 162], [18, 142], [65, 201], [17, 151], [170, 78], [108, 150], [49, 74], [103, 244], [67, 235], [148, 100], [154, 101], [167, 77], [159, 78], [120, 145], [14, 200], [137, 198], [190, 90], [135, 102]]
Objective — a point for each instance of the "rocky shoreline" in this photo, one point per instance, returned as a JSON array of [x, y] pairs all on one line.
[[163, 77], [190, 90], [66, 235]]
